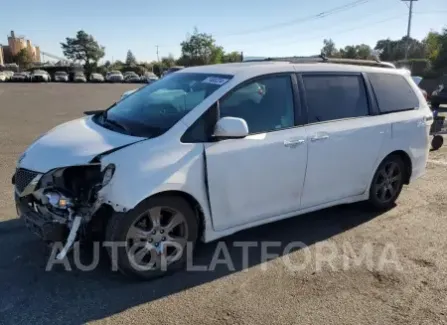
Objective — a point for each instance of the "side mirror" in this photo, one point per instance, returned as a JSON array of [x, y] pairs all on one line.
[[230, 128]]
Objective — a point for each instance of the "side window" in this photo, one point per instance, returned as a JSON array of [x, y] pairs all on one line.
[[332, 97], [266, 104], [393, 92]]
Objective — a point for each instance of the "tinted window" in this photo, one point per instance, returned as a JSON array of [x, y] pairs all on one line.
[[265, 104], [393, 92], [335, 97]]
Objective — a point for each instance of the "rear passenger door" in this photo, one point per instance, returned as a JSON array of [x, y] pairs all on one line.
[[344, 138]]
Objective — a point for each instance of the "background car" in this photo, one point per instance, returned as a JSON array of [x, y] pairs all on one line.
[[3, 76], [20, 77], [79, 77], [96, 77], [439, 96], [132, 78], [172, 69], [8, 74], [61, 76], [149, 77], [114, 76], [40, 76]]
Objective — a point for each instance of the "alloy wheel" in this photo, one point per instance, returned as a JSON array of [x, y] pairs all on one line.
[[388, 182], [158, 232]]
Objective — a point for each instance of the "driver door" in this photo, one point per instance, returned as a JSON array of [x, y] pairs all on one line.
[[260, 176]]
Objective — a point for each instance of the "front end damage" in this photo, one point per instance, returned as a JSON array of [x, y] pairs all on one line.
[[64, 203]]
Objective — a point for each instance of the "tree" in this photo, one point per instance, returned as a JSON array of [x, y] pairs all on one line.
[[199, 49], [395, 50], [232, 57], [440, 62], [168, 62], [329, 49], [83, 48], [23, 58], [130, 59]]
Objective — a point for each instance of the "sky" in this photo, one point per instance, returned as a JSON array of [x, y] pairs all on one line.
[[256, 28]]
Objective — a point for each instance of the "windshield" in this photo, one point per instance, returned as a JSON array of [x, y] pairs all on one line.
[[153, 109], [60, 73]]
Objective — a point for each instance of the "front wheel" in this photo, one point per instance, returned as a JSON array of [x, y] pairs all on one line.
[[151, 240], [387, 183]]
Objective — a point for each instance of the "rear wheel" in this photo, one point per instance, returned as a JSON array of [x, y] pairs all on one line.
[[153, 237], [437, 142], [387, 183]]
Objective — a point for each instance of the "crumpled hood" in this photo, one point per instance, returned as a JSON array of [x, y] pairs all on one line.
[[73, 143]]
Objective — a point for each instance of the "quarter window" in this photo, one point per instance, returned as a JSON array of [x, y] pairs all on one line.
[[266, 104], [393, 92], [332, 97]]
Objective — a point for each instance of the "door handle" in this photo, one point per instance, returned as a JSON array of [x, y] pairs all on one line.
[[293, 142], [319, 137]]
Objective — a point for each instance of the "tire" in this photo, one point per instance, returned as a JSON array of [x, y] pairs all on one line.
[[383, 179], [437, 142], [120, 227]]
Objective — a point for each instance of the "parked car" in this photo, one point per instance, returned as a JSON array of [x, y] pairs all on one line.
[[114, 76], [172, 69], [96, 77], [149, 77], [61, 76], [20, 77], [79, 77], [180, 160], [8, 74], [40, 76], [132, 78], [439, 96], [3, 76]]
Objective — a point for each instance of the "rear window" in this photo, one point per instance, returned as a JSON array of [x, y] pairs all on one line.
[[393, 92]]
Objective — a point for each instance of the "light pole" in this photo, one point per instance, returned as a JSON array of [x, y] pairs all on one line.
[[410, 17]]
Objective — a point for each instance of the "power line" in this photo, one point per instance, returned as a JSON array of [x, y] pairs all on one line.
[[346, 30], [319, 15]]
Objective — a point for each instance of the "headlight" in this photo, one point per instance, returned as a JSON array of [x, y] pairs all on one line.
[[108, 174]]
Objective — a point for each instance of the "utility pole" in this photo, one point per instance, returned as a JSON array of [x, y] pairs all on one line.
[[410, 17], [158, 59]]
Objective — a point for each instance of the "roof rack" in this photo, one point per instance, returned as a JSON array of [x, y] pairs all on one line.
[[323, 59]]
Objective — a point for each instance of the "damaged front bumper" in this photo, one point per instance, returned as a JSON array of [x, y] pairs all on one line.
[[57, 205]]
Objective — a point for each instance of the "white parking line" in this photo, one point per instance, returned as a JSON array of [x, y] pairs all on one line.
[[437, 162]]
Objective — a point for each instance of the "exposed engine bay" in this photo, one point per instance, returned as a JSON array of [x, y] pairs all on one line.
[[56, 205]]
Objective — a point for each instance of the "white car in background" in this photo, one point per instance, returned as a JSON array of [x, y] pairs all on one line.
[[96, 77], [3, 76], [114, 76], [212, 150], [79, 77], [40, 76], [61, 76]]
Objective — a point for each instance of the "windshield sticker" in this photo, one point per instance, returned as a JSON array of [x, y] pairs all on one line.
[[215, 80]]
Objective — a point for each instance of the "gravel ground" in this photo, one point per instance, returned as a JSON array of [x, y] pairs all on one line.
[[405, 283]]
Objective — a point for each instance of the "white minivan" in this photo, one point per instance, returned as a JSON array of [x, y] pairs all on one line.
[[211, 150]]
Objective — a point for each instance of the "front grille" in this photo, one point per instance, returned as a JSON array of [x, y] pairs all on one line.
[[23, 177]]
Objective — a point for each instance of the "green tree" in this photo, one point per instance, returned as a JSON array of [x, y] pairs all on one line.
[[130, 59], [168, 62], [23, 59], [232, 57], [432, 44], [395, 50], [440, 63], [200, 49], [84, 49], [329, 49]]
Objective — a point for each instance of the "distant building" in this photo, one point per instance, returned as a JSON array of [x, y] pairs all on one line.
[[16, 44]]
